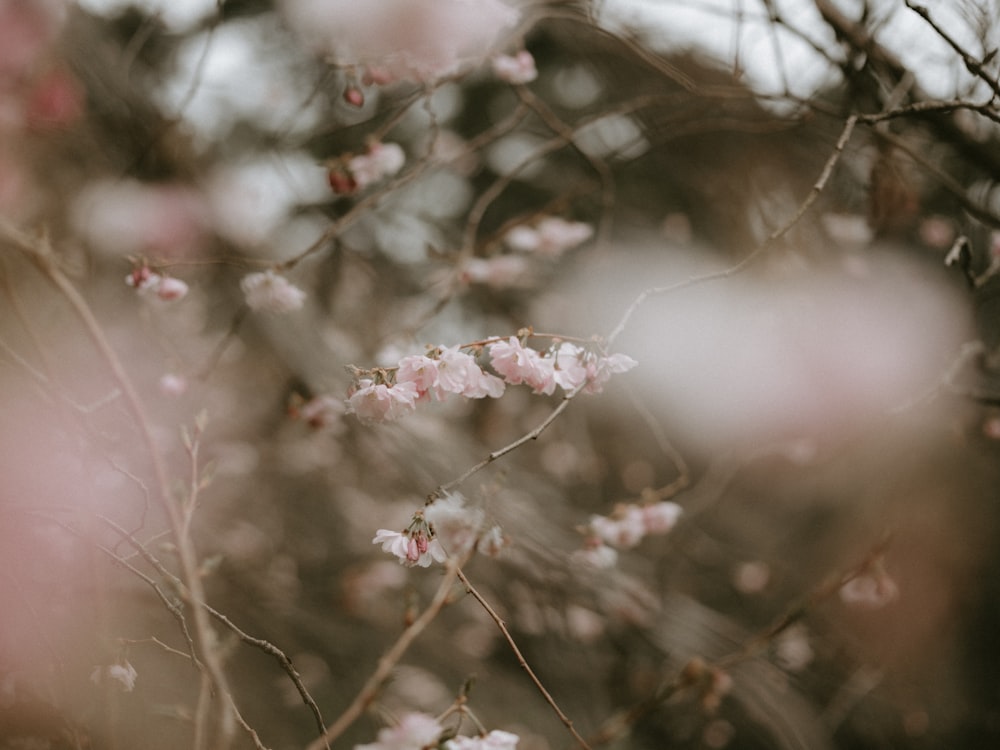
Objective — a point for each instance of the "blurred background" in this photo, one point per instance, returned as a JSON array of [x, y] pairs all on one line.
[[818, 383]]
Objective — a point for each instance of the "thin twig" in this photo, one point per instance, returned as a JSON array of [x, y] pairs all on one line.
[[779, 232], [521, 660], [388, 661]]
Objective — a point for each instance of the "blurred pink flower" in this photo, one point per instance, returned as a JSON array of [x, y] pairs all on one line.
[[660, 518], [420, 40], [377, 402], [414, 731], [381, 160], [271, 292], [517, 68], [495, 740]]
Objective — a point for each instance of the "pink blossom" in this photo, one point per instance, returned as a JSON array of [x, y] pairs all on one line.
[[123, 673], [377, 402], [459, 373], [170, 288], [551, 236], [596, 554], [144, 279], [499, 272], [513, 360], [872, 590], [321, 411], [659, 518], [517, 68], [420, 370], [271, 292], [420, 40], [455, 524], [414, 731], [570, 369], [492, 542], [172, 384], [381, 160], [600, 370], [413, 548], [625, 529], [495, 740]]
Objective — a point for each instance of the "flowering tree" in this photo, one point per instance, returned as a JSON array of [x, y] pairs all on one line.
[[480, 374]]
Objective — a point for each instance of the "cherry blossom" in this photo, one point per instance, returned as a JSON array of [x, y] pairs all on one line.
[[420, 370], [414, 546], [499, 272], [660, 518], [172, 384], [595, 554], [495, 740], [459, 373], [123, 673], [551, 236], [147, 281], [516, 68], [421, 40], [454, 523], [415, 731], [625, 529], [377, 402], [873, 590], [381, 160], [270, 292], [600, 370]]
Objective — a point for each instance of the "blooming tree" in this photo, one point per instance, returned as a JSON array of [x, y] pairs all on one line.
[[495, 374]]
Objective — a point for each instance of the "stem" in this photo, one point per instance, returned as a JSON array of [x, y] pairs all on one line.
[[522, 661]]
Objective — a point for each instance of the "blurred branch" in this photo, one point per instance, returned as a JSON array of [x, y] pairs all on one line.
[[776, 234], [521, 660], [389, 660]]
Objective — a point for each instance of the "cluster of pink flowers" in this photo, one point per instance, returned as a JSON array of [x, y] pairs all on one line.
[[417, 40], [628, 525], [872, 589], [550, 236], [270, 292], [148, 281], [349, 174], [517, 68], [566, 365], [391, 393], [445, 527], [416, 731], [414, 545]]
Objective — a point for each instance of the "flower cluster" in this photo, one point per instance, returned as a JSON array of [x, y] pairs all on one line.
[[550, 236], [352, 173], [389, 393], [566, 365], [271, 292], [416, 731], [623, 529], [516, 68], [416, 40], [147, 281], [446, 526], [872, 589], [413, 732], [122, 673], [414, 545]]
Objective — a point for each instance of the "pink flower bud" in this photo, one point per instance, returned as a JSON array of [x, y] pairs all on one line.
[[170, 288], [354, 96]]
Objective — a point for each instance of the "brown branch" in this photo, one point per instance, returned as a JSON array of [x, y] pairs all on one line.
[[567, 722], [388, 661]]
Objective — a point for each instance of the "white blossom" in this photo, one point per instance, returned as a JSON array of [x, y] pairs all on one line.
[[270, 292]]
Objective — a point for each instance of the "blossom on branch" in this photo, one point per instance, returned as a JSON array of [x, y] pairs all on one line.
[[378, 402], [551, 236], [495, 740], [414, 731], [516, 68], [270, 292]]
